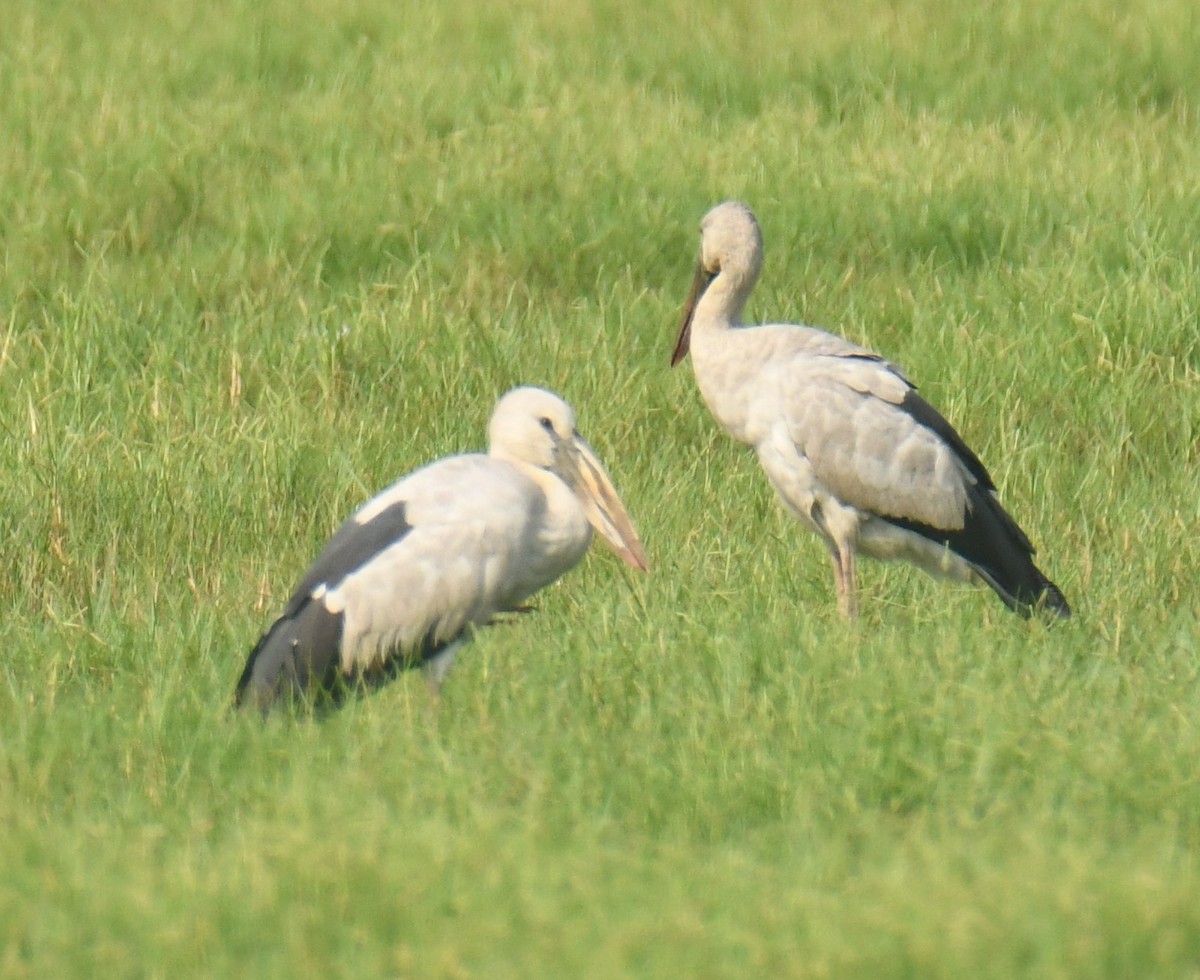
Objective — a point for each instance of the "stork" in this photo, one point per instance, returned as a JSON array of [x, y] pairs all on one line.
[[852, 450], [450, 545]]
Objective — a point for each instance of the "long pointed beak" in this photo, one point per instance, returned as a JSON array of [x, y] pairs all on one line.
[[603, 507], [700, 283]]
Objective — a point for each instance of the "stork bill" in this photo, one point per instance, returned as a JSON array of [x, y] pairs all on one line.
[[851, 448], [448, 546]]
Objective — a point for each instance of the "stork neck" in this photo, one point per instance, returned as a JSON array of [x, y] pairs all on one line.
[[721, 306], [564, 522], [563, 533], [724, 364]]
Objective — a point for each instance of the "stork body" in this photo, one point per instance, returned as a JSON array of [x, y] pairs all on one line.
[[851, 448], [449, 546]]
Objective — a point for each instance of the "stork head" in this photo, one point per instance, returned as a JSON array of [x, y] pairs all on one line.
[[731, 246], [535, 427]]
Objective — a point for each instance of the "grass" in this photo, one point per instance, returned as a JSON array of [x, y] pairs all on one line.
[[261, 258]]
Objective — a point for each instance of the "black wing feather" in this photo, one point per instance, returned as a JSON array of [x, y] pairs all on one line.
[[990, 540], [925, 414], [302, 649], [300, 652], [350, 548]]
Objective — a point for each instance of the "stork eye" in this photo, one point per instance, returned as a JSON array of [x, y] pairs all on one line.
[[546, 423]]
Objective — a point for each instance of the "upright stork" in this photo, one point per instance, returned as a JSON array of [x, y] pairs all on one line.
[[448, 546], [851, 448]]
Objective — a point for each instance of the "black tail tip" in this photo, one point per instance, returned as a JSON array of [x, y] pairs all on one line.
[[251, 698], [1056, 601], [1049, 601]]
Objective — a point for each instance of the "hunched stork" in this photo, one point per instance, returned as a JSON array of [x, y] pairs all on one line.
[[448, 546]]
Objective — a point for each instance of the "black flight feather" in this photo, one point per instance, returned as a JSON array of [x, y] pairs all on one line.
[[301, 651], [990, 540]]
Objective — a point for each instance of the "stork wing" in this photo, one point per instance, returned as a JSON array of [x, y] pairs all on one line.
[[874, 443], [404, 576]]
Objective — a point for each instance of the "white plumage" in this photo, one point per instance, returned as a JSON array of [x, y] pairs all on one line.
[[450, 545], [852, 450]]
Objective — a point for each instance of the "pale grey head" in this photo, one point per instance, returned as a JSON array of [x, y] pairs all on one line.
[[731, 242], [731, 247], [533, 427]]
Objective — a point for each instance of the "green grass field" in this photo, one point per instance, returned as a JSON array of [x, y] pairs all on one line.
[[261, 258]]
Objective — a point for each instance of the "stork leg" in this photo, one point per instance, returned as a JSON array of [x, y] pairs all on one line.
[[438, 666], [842, 556], [838, 528]]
